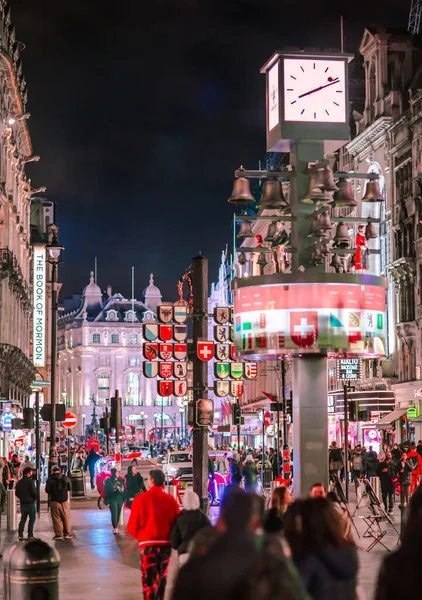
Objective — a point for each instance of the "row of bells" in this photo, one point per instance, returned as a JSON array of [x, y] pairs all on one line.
[[317, 257], [321, 185], [322, 223], [275, 230]]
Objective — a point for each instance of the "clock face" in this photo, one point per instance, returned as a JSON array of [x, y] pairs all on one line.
[[314, 90]]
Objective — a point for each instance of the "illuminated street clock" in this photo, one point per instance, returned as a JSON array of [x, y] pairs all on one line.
[[314, 90], [307, 98]]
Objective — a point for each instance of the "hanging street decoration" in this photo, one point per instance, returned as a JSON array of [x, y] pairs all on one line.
[[150, 331], [205, 350], [222, 370], [180, 351], [180, 388], [222, 351], [221, 315], [221, 388], [164, 388], [151, 351], [221, 333], [180, 332], [166, 351], [165, 312], [165, 369], [180, 313], [250, 370], [180, 369], [150, 368], [166, 333]]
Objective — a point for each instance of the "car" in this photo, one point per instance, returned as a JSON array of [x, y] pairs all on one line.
[[178, 465]]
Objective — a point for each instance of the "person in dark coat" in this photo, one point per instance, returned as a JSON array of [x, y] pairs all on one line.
[[26, 492], [371, 463], [114, 494], [326, 562], [90, 462], [386, 473], [134, 485], [250, 473], [404, 469], [235, 470], [236, 565], [400, 572], [273, 521], [186, 524]]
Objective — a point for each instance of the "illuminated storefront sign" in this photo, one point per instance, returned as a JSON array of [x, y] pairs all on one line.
[[310, 318], [349, 369], [39, 331]]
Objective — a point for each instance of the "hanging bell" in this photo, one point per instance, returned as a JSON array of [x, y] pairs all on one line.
[[372, 192], [262, 261], [370, 232], [336, 262], [241, 193], [272, 229], [343, 198], [315, 230], [314, 193], [272, 195], [245, 230], [325, 178], [325, 221], [342, 239], [242, 259]]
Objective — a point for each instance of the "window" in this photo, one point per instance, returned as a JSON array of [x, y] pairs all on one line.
[[134, 361], [159, 401], [133, 339], [96, 338], [103, 387], [133, 390], [114, 338], [112, 315]]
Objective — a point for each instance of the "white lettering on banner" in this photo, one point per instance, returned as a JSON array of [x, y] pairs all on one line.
[[39, 331]]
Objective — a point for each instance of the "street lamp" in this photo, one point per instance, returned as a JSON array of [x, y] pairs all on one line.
[[143, 416], [54, 250]]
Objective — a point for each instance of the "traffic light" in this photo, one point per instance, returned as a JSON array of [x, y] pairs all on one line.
[[116, 413], [352, 411], [60, 412], [18, 423], [28, 418], [105, 422], [236, 414], [45, 412], [289, 406]]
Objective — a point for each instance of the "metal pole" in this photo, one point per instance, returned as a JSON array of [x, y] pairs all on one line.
[[346, 441], [283, 397], [107, 431], [238, 426], [162, 419], [38, 449], [68, 452], [52, 456], [200, 376], [263, 447]]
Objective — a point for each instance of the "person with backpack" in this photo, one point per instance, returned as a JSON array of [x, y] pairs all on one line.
[[371, 463], [114, 495], [335, 459], [58, 489], [250, 473]]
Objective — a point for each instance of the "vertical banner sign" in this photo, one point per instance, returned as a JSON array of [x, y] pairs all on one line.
[[39, 332]]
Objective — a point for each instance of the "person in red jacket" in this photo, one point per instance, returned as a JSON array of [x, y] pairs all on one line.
[[150, 521], [416, 460]]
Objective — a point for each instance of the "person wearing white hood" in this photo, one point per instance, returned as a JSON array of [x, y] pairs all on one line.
[[187, 523]]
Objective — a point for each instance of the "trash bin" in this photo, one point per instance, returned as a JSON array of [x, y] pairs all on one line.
[[78, 485], [31, 570], [12, 513]]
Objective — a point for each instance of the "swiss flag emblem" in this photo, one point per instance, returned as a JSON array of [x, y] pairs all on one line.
[[205, 351], [304, 328]]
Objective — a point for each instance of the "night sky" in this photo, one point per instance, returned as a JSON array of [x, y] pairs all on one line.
[[142, 111]]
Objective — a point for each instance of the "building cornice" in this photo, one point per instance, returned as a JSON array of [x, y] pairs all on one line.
[[369, 136]]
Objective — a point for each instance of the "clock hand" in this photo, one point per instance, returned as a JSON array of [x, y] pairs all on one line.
[[321, 87]]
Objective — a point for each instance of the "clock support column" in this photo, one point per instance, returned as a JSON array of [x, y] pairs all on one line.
[[310, 381]]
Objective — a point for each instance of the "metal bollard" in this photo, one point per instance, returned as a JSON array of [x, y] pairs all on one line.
[[31, 570], [12, 512]]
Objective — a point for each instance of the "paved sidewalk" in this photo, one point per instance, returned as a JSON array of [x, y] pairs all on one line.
[[95, 564]]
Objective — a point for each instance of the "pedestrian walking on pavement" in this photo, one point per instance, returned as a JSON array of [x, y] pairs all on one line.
[[235, 470], [405, 469], [90, 462], [114, 496], [58, 490], [335, 459], [273, 521], [250, 474], [26, 464], [150, 522], [386, 473], [27, 494], [134, 485]]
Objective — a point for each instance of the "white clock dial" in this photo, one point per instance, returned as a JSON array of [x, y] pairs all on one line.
[[314, 90]]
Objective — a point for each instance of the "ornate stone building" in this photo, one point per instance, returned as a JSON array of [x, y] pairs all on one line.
[[16, 370], [100, 350]]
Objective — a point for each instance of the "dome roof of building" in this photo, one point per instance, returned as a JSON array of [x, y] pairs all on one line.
[[92, 289], [152, 290]]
